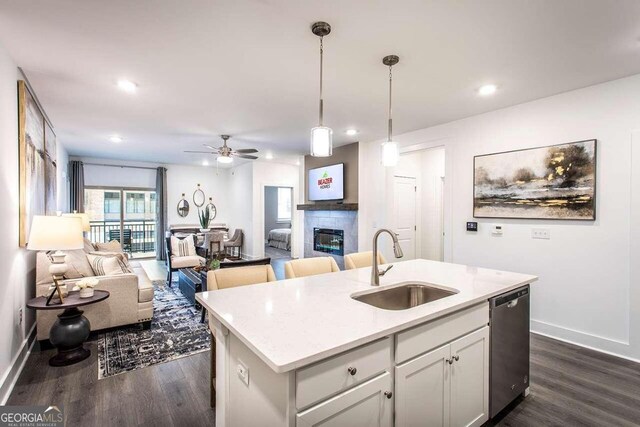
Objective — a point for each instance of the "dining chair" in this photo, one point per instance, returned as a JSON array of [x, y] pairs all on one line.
[[309, 267], [361, 259]]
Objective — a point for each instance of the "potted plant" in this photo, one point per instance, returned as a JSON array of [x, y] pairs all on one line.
[[205, 217], [85, 286]]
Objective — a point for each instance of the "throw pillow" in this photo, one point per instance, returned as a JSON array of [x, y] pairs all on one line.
[[112, 246], [183, 247], [107, 265], [121, 256], [88, 246]]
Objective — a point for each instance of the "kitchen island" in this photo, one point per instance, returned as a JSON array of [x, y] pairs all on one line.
[[304, 352]]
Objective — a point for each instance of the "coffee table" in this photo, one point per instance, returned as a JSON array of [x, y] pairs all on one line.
[[69, 332]]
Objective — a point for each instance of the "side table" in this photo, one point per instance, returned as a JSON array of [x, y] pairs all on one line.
[[69, 332]]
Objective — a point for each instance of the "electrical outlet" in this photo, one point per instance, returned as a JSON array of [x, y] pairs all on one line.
[[540, 233], [243, 373], [497, 230]]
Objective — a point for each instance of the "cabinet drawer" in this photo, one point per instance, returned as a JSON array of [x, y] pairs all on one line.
[[426, 337], [331, 376]]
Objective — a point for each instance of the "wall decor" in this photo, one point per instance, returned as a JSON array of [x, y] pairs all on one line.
[[552, 182], [198, 197], [213, 211], [183, 207], [37, 161]]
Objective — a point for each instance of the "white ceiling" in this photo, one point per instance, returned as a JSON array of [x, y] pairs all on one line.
[[250, 68]]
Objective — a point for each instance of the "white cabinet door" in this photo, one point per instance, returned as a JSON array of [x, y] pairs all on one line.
[[365, 405], [470, 379], [422, 390]]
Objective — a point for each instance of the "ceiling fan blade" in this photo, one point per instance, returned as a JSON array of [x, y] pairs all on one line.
[[202, 152], [246, 150], [212, 148], [244, 156]]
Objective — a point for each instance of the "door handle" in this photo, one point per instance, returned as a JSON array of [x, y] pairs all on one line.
[[512, 304]]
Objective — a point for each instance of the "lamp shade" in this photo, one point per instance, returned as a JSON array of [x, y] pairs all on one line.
[[390, 154], [86, 225], [321, 141], [50, 233]]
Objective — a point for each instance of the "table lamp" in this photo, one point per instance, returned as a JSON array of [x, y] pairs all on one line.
[[86, 225], [56, 233]]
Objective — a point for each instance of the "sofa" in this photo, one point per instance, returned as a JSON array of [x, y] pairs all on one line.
[[130, 300]]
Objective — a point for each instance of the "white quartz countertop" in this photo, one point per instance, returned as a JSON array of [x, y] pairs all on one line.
[[293, 323]]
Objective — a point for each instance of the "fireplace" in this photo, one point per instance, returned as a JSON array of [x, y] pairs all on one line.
[[328, 240]]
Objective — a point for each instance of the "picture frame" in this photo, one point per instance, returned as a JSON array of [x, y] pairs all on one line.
[[555, 182]]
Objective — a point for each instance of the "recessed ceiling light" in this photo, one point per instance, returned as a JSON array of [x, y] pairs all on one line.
[[127, 86], [351, 132], [487, 90], [268, 156], [115, 138]]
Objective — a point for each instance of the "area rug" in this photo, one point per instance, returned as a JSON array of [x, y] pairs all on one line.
[[175, 332]]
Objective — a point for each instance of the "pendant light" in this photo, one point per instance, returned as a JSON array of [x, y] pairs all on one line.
[[390, 151], [321, 136]]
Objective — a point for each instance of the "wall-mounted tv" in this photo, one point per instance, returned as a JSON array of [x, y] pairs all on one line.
[[327, 183]]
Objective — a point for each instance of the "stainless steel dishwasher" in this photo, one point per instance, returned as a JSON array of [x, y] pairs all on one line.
[[509, 357]]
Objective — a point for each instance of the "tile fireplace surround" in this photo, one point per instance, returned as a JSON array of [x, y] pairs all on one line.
[[338, 220]]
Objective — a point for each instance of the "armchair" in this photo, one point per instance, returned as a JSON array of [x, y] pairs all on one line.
[[175, 262]]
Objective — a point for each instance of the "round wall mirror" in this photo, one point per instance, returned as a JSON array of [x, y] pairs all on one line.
[[183, 207], [212, 210], [198, 197]]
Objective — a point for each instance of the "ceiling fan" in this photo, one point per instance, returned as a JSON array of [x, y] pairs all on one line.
[[226, 154]]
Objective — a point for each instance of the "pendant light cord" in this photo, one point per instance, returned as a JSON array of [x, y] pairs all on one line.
[[321, 101], [390, 111]]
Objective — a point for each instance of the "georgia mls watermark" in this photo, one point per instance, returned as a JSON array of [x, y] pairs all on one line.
[[31, 416]]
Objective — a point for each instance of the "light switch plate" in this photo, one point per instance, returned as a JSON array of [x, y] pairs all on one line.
[[497, 230], [243, 373], [541, 233]]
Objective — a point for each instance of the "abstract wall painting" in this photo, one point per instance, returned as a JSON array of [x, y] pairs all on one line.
[[37, 162], [553, 182]]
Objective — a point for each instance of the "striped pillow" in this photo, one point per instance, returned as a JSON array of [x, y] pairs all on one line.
[[107, 265], [182, 247]]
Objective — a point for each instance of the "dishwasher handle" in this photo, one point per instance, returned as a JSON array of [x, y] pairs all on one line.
[[510, 299]]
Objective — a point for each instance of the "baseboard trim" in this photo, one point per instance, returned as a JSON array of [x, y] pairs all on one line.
[[604, 345], [17, 365]]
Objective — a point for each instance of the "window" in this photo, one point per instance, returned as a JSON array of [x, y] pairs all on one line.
[[152, 203], [135, 202], [284, 204], [111, 202]]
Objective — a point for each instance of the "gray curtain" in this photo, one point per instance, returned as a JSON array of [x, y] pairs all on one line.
[[161, 209], [76, 186]]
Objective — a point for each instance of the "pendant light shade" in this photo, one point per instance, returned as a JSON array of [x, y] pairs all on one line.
[[390, 154], [321, 136], [321, 141], [390, 150]]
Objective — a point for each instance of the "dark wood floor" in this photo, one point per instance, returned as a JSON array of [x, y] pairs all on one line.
[[570, 386], [175, 393]]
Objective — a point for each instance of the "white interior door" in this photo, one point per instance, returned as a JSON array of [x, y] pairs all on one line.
[[404, 209]]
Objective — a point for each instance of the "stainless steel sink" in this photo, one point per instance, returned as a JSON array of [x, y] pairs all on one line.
[[404, 296]]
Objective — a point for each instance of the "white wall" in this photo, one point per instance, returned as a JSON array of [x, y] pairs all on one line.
[[180, 179], [584, 294], [242, 204], [213, 182], [17, 264]]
